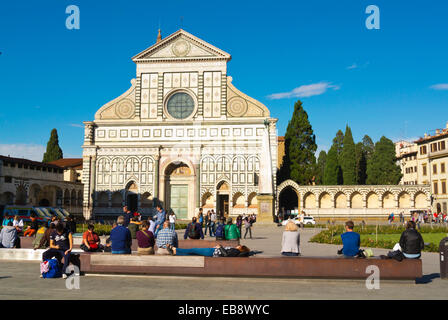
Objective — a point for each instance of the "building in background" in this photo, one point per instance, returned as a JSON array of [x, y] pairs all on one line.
[[183, 136], [30, 183], [425, 162]]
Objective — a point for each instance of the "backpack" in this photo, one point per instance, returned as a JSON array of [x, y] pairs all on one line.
[[219, 233], [53, 269], [193, 233]]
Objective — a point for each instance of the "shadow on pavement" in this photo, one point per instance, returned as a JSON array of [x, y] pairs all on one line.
[[6, 277], [427, 278]]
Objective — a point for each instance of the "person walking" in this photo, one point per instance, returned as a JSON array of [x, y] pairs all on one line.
[[160, 219], [231, 231], [239, 223], [212, 223], [206, 222], [248, 227]]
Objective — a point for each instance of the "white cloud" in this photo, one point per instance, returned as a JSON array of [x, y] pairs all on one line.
[[440, 86], [76, 125], [305, 91], [353, 66], [27, 151]]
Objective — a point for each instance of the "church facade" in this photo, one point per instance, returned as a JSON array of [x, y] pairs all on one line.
[[182, 135]]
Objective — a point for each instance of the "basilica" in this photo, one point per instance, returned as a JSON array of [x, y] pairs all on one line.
[[182, 135]]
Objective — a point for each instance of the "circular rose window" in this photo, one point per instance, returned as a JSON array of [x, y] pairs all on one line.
[[180, 105]]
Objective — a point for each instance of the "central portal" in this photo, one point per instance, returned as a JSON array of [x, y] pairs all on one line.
[[179, 186]]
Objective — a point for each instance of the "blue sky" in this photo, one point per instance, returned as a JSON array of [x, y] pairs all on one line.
[[392, 81]]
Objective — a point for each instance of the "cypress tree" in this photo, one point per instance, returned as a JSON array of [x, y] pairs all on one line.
[[338, 142], [368, 146], [54, 151], [332, 171], [348, 158], [382, 167], [321, 161], [361, 163], [299, 163]]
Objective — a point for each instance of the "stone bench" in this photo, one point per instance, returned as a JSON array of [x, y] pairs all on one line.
[[25, 254], [27, 243], [283, 267]]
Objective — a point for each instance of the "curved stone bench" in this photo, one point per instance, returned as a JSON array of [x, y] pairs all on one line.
[[284, 267]]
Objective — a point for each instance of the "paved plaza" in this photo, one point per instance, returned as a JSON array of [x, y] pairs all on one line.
[[20, 280]]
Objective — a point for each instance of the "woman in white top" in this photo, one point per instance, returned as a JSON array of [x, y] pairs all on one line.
[[172, 218], [18, 224], [291, 240]]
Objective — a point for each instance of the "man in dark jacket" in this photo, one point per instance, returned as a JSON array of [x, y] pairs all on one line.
[[411, 242], [194, 230], [120, 237]]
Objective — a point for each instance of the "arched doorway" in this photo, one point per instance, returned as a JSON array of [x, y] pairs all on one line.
[[132, 196], [222, 198], [179, 188], [44, 203], [288, 200]]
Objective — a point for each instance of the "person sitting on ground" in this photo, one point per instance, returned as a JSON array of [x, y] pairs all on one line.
[[133, 227], [8, 236], [145, 239], [219, 230], [61, 245], [194, 230], [218, 251], [107, 247], [18, 224], [120, 237], [411, 242], [42, 240], [350, 241], [166, 240], [291, 240], [32, 229], [231, 231], [90, 240]]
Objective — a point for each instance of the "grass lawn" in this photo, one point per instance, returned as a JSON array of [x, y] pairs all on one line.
[[427, 237]]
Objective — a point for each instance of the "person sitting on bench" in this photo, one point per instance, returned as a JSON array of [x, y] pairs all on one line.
[[120, 236], [350, 240], [8, 236], [90, 240], [61, 245], [166, 240], [411, 242], [145, 239], [194, 230], [218, 251], [31, 230]]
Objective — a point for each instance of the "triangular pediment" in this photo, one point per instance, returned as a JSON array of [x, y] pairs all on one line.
[[181, 45]]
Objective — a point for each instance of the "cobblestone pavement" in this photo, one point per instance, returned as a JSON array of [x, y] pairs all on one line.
[[20, 280]]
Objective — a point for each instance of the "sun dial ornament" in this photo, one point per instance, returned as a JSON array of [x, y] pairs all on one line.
[[181, 48]]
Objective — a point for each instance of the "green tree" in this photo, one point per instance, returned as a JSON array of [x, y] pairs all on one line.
[[368, 146], [382, 167], [299, 162], [321, 161], [54, 151], [338, 142], [332, 173], [361, 163], [348, 158]]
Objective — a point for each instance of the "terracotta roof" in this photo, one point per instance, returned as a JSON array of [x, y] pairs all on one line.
[[443, 133], [28, 162], [75, 163]]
